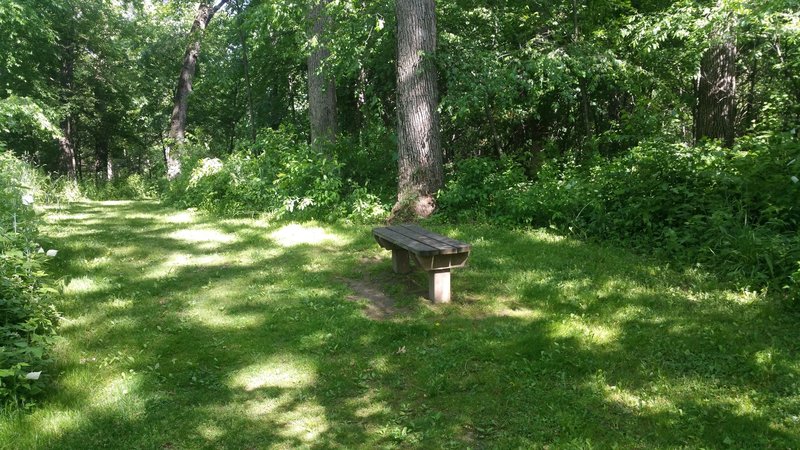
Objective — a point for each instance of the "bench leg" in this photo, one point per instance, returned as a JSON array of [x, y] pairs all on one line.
[[439, 286], [400, 262]]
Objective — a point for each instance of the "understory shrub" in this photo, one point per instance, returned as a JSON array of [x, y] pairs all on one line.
[[130, 187], [734, 211], [28, 318], [279, 175]]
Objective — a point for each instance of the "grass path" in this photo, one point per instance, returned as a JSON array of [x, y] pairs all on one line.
[[183, 331]]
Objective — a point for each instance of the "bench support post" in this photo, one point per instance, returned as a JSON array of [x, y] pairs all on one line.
[[439, 286], [400, 262]]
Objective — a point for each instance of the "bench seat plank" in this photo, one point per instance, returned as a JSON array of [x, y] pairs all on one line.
[[405, 242], [420, 241], [458, 245]]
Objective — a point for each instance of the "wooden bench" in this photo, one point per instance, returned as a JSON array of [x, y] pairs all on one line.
[[433, 252]]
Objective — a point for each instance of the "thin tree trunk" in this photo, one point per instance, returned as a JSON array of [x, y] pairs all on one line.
[[420, 169], [177, 125], [101, 159], [750, 114], [232, 120], [498, 149], [246, 69], [361, 98], [77, 148], [794, 83], [292, 109], [321, 87], [716, 94], [582, 81], [66, 141]]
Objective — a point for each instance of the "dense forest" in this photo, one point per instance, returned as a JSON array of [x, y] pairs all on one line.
[[669, 127], [640, 120]]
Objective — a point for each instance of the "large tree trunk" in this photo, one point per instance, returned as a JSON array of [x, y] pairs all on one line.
[[716, 94], [66, 141], [177, 123], [321, 87], [420, 170]]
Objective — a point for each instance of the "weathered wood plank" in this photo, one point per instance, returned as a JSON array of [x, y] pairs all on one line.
[[461, 246], [406, 242], [429, 240]]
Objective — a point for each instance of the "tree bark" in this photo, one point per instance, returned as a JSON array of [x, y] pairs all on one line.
[[246, 69], [177, 124], [102, 170], [583, 84], [66, 141], [716, 94], [420, 168], [321, 87]]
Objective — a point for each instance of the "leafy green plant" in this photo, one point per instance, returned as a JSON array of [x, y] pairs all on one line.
[[27, 317], [280, 175], [481, 188], [733, 211], [29, 320]]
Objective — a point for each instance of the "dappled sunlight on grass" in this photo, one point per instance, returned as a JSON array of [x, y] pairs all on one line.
[[119, 392], [213, 315], [305, 421], [204, 238], [632, 402], [210, 431], [280, 371], [585, 333], [297, 234], [179, 260], [369, 405], [86, 285], [55, 422], [180, 217], [519, 313], [184, 331], [263, 407]]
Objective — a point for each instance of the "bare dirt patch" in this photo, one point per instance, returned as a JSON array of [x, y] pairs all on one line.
[[379, 306]]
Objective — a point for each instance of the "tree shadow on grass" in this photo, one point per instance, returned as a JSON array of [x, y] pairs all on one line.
[[548, 342]]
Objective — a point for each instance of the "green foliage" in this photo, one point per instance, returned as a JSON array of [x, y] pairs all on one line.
[[131, 187], [280, 175], [733, 211], [480, 188], [27, 318]]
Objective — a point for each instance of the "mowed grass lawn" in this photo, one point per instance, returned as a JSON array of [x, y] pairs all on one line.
[[183, 331]]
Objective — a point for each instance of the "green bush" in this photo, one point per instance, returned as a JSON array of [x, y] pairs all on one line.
[[480, 188], [27, 317], [735, 212], [131, 187], [18, 186], [280, 175]]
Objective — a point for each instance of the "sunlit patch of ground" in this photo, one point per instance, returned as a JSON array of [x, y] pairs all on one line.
[[297, 234], [282, 371], [183, 331]]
